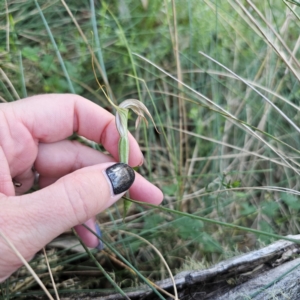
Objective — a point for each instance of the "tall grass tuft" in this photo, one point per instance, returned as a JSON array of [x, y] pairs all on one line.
[[221, 80]]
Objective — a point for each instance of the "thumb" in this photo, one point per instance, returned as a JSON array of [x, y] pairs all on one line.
[[32, 220], [74, 199]]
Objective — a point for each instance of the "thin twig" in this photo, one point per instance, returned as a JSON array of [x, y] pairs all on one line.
[[9, 84], [50, 273]]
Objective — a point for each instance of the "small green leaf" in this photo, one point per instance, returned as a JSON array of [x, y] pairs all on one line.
[[188, 228], [247, 209], [270, 208], [170, 189], [291, 201], [236, 184], [153, 221], [31, 53]]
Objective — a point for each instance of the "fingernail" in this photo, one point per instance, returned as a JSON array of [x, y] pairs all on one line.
[[121, 177], [98, 231]]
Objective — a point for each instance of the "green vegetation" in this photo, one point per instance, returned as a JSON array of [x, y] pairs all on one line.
[[228, 148]]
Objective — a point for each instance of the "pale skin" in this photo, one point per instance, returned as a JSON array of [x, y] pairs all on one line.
[[33, 133]]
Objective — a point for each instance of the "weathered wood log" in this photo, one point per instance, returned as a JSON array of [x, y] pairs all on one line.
[[272, 272]]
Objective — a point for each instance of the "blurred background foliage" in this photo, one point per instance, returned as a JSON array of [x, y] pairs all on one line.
[[206, 160]]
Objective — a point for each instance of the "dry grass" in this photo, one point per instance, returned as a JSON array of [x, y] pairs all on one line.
[[228, 118]]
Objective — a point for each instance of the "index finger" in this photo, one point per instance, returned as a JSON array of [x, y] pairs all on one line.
[[54, 117]]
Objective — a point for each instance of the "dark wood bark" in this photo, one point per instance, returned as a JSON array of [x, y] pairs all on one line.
[[272, 272]]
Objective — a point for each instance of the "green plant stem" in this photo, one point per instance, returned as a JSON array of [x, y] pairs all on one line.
[[207, 220], [62, 64], [97, 40], [23, 85]]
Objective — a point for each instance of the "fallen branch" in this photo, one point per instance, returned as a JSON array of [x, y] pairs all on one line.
[[261, 274]]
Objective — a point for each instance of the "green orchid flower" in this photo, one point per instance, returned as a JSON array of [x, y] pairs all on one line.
[[122, 123], [122, 126]]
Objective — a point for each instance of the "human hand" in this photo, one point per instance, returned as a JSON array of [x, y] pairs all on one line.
[[72, 177]]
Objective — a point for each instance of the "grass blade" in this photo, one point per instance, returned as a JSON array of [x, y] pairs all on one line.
[[127, 262], [255, 231], [99, 266], [60, 59]]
